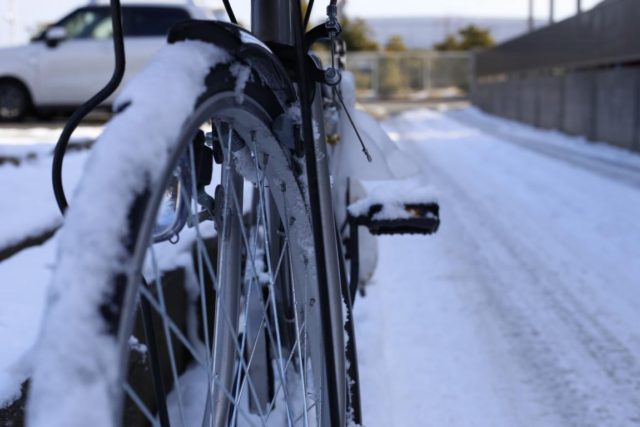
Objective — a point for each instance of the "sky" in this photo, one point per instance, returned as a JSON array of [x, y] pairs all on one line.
[[29, 14]]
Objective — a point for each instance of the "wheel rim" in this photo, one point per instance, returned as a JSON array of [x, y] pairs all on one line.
[[248, 322], [13, 102]]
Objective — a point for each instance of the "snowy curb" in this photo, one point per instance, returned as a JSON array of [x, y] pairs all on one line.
[[17, 160], [26, 243], [12, 410]]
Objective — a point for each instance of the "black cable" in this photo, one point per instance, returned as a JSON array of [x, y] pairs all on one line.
[[307, 15], [353, 125], [316, 217], [229, 9], [87, 107]]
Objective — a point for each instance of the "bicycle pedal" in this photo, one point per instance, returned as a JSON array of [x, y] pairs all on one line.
[[396, 217]]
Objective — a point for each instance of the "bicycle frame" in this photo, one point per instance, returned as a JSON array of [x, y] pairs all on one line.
[[272, 21]]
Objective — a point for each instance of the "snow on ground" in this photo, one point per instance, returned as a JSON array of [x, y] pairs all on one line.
[[27, 209], [523, 309], [28, 142], [27, 205], [23, 282]]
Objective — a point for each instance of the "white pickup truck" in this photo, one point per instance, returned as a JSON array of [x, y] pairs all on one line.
[[72, 59]]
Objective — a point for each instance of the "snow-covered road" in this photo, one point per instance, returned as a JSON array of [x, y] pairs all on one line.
[[524, 310]]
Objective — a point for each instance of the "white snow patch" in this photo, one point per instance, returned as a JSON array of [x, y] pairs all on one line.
[[247, 37], [578, 144], [23, 285], [316, 130], [294, 113], [28, 143], [242, 74], [73, 355], [393, 196], [26, 201], [136, 345], [518, 310]]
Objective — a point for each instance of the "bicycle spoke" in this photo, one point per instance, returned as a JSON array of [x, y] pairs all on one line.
[[261, 327], [173, 327], [262, 212], [288, 363], [170, 324], [209, 267], [266, 267], [222, 285], [137, 400], [297, 346], [253, 280], [305, 413], [174, 370], [194, 218], [251, 257], [272, 276]]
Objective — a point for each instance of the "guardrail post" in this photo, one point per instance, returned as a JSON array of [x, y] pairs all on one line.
[[530, 15], [375, 81], [473, 78], [427, 74]]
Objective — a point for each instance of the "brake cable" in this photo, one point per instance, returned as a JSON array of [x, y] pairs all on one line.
[[307, 15], [229, 9], [90, 105], [332, 74]]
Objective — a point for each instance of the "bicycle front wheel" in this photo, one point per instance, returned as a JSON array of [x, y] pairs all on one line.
[[237, 338]]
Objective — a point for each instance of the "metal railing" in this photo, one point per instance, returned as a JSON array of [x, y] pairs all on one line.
[[415, 75]]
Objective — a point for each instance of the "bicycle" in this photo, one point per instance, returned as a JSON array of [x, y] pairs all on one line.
[[263, 334]]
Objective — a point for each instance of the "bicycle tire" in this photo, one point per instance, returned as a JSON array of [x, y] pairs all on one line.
[[84, 345]]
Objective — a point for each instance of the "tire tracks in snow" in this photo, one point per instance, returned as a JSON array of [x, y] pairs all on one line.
[[577, 363], [573, 402], [617, 171]]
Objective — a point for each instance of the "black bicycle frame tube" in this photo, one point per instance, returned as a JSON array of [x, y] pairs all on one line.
[[271, 20], [281, 21], [333, 359]]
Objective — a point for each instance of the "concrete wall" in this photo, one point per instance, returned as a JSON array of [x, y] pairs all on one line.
[[580, 104], [511, 97], [602, 105], [550, 92], [616, 106], [528, 102]]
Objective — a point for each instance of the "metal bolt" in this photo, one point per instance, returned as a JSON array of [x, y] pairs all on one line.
[[332, 77]]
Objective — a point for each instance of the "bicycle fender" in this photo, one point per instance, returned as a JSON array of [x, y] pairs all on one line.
[[243, 46]]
